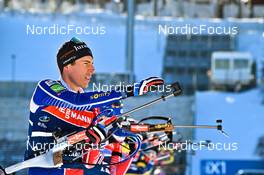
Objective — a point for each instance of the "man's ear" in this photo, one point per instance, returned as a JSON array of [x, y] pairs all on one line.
[[66, 68]]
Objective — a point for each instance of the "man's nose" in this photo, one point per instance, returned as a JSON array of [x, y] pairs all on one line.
[[92, 69]]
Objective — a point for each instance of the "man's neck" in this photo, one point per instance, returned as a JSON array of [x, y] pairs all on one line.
[[71, 86]]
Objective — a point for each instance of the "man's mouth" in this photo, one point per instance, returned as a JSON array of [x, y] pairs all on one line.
[[87, 77]]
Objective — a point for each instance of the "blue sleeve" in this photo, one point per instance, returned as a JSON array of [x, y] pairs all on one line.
[[53, 93], [116, 107]]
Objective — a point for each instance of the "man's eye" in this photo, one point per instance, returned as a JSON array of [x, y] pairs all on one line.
[[88, 63]]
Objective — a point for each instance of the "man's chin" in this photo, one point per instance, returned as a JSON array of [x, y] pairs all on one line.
[[84, 86]]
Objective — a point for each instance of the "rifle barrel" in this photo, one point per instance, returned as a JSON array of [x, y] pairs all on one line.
[[196, 126], [163, 98]]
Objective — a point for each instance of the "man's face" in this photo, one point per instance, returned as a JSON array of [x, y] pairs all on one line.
[[80, 72]]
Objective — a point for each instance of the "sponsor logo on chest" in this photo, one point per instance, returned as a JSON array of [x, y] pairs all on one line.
[[75, 117], [78, 115], [98, 95]]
